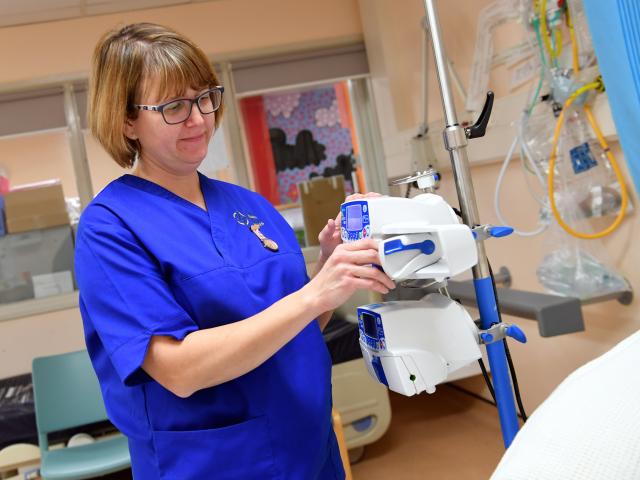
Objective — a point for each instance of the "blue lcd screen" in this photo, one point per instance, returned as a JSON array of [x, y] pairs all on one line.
[[354, 218], [369, 323]]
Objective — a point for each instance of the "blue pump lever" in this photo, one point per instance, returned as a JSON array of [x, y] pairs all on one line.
[[427, 246]]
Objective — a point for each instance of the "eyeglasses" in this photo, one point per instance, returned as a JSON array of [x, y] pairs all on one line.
[[179, 110]]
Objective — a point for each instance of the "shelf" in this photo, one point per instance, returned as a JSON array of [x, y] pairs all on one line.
[[35, 306]]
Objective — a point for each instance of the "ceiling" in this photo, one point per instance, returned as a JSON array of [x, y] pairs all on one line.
[[21, 12]]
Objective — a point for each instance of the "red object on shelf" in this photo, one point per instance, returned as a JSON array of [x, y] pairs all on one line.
[[4, 185], [260, 151]]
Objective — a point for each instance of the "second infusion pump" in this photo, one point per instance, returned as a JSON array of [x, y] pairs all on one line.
[[412, 346]]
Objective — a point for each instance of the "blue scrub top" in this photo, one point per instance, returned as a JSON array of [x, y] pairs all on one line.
[[150, 263]]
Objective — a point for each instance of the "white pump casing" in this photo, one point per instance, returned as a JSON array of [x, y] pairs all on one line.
[[420, 238], [412, 346]]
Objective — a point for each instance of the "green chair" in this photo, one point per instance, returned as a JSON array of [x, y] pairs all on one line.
[[67, 395]]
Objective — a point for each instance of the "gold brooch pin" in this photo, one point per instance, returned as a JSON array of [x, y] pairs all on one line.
[[266, 242], [254, 225]]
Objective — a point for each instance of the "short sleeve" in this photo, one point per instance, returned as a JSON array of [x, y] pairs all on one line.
[[124, 296]]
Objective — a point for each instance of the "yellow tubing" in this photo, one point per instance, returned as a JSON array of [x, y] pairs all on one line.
[[558, 43], [543, 29], [574, 43], [552, 161], [553, 51]]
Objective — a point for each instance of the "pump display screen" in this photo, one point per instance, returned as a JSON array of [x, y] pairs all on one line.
[[370, 327], [354, 218]]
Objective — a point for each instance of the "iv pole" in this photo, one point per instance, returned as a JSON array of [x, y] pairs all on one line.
[[455, 141]]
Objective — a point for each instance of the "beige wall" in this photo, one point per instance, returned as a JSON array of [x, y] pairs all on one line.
[[22, 339], [223, 28], [392, 37], [39, 156]]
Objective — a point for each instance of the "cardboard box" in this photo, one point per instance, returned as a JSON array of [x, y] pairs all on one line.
[[320, 199], [35, 206], [36, 264]]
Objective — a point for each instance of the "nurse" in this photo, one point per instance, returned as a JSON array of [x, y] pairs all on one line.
[[200, 320]]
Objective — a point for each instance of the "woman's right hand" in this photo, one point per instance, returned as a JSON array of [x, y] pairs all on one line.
[[349, 268]]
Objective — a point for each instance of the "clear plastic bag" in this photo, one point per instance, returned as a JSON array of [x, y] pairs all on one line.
[[585, 188], [536, 135], [586, 185], [572, 271]]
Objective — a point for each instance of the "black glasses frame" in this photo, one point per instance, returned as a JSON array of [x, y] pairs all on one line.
[[160, 108]]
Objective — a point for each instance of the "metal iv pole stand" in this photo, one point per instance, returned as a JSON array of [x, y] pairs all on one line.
[[455, 140]]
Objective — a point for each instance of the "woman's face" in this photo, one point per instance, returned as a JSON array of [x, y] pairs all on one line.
[[177, 149]]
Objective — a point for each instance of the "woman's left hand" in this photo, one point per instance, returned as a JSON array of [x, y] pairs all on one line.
[[329, 237]]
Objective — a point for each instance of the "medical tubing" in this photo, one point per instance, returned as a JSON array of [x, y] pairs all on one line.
[[496, 196], [536, 27], [512, 369], [471, 393], [558, 43], [489, 316], [597, 85], [528, 155], [534, 99], [601, 140], [544, 32], [574, 42], [542, 13], [544, 67], [525, 156], [527, 169], [514, 379], [497, 359], [501, 174], [487, 380]]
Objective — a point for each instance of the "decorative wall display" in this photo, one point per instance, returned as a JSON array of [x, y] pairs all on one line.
[[310, 134]]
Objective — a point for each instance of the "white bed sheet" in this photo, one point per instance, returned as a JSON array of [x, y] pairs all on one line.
[[588, 428]]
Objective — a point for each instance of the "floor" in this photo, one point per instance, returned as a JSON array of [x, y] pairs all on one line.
[[445, 436]]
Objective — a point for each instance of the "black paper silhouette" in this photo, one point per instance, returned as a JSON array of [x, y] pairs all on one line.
[[306, 150]]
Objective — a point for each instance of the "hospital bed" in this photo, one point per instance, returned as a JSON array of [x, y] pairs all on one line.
[[588, 428]]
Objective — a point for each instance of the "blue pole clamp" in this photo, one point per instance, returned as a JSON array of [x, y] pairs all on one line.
[[500, 231], [516, 333], [499, 331], [483, 232], [498, 361]]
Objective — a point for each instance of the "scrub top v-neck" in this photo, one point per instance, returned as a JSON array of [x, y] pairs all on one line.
[[149, 262]]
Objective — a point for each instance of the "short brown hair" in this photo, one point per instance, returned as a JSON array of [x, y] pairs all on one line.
[[126, 60]]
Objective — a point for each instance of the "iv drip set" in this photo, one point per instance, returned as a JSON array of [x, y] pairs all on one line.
[[572, 160], [562, 148]]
